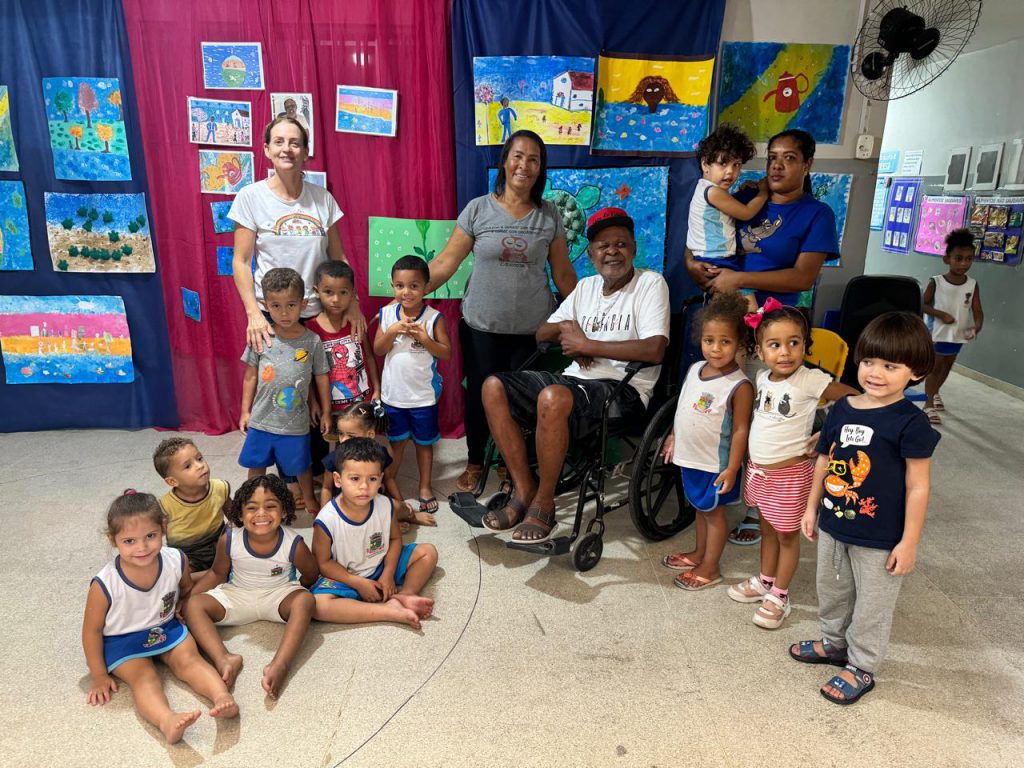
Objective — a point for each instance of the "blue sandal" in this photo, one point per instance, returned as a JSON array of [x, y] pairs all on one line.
[[745, 527], [804, 652], [850, 693]]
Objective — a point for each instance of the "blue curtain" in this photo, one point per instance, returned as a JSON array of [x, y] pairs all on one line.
[[581, 28], [83, 38]]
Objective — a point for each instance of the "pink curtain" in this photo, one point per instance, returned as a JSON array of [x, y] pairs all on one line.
[[308, 46]]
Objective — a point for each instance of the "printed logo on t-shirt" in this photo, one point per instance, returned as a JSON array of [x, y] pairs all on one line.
[[167, 604], [277, 570], [752, 234], [298, 225], [376, 544], [704, 402], [605, 322], [513, 252], [846, 475]]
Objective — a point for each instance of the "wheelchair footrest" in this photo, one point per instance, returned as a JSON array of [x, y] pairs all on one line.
[[466, 506], [556, 546]]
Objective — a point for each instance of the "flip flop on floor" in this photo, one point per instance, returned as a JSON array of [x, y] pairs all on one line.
[[745, 527], [851, 693], [694, 583], [537, 521], [428, 505], [678, 562], [504, 520]]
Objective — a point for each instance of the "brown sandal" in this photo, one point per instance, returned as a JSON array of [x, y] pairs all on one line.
[[536, 521], [501, 517], [469, 479]]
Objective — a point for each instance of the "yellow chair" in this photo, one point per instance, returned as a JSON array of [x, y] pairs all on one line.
[[828, 352]]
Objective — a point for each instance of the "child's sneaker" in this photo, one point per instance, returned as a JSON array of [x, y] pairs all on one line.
[[750, 591], [773, 611]]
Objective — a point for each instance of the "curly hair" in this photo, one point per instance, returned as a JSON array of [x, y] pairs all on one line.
[[637, 96], [133, 504], [785, 313], [959, 238], [369, 416], [727, 142], [728, 308], [273, 485], [166, 451]]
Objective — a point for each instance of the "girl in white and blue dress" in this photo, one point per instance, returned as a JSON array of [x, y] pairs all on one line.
[[131, 619]]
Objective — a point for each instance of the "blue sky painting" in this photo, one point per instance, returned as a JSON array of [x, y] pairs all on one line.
[[232, 66], [15, 250]]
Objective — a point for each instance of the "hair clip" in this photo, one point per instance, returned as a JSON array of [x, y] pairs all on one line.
[[753, 319], [129, 492]]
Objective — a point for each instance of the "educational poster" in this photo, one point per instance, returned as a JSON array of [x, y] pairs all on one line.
[[8, 154], [997, 224], [768, 87], [224, 173], [390, 239], [298, 106], [221, 223], [651, 105], [15, 250], [899, 217], [190, 304], [232, 66], [888, 162], [87, 135], [222, 123], [833, 189], [878, 203], [65, 340], [317, 178], [225, 260], [99, 233], [370, 111], [938, 217], [578, 192], [549, 95]]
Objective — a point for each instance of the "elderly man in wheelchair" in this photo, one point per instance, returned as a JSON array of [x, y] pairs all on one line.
[[615, 327]]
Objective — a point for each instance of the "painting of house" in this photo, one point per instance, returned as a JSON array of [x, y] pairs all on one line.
[[573, 90]]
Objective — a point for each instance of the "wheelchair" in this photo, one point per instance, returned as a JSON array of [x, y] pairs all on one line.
[[655, 493]]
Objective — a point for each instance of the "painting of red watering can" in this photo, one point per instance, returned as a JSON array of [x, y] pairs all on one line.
[[769, 87]]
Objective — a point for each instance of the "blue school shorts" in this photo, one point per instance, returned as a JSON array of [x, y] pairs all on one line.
[[325, 586], [947, 348], [418, 423], [702, 493], [289, 452]]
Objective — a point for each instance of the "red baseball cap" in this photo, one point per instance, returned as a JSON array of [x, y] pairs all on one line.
[[608, 217]]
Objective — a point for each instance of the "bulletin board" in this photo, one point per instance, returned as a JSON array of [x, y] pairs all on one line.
[[939, 216], [899, 217], [996, 223]]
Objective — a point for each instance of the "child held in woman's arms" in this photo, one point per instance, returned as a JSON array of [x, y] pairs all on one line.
[[196, 504], [131, 617], [871, 484], [275, 418], [366, 573], [953, 301], [709, 438], [779, 474], [254, 578]]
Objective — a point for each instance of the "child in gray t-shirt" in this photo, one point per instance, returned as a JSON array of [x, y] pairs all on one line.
[[275, 418]]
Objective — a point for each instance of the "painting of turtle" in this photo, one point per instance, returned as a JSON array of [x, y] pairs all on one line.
[[572, 207]]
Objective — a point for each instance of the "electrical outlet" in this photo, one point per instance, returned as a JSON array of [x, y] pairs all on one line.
[[865, 146]]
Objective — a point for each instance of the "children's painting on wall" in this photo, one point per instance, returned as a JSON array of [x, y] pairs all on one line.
[[297, 106], [370, 111], [651, 105], [225, 260], [190, 304], [938, 217], [232, 66], [15, 249], [99, 233], [317, 178], [224, 173], [578, 192], [8, 154], [87, 135], [769, 87], [390, 239], [549, 95], [65, 340], [224, 123], [219, 211]]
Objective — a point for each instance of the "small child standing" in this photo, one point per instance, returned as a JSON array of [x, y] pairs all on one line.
[[196, 504], [413, 337], [367, 575], [130, 618], [779, 474], [712, 422], [871, 485], [254, 578], [275, 418], [953, 302]]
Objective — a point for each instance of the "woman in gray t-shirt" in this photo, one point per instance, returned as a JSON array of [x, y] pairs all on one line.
[[513, 234]]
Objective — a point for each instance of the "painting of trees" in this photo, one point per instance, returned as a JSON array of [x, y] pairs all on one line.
[[105, 134], [62, 101], [87, 102], [115, 99], [76, 131], [485, 95]]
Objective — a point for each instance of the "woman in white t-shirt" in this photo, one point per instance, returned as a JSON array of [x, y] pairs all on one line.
[[285, 222]]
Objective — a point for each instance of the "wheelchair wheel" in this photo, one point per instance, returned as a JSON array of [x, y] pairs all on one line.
[[655, 514], [588, 551]]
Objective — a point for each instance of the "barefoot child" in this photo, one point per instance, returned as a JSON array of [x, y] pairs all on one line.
[[254, 578], [414, 338], [130, 619], [195, 505], [366, 573], [953, 301], [871, 484], [709, 438], [779, 474]]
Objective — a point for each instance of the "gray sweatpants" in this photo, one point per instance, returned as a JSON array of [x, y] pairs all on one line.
[[856, 600]]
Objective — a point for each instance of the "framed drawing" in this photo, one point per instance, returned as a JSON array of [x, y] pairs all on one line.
[[1015, 173], [986, 166], [956, 169]]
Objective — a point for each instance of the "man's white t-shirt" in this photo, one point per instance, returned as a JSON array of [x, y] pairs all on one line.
[[638, 310]]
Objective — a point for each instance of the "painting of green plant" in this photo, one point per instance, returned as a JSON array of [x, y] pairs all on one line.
[[390, 239]]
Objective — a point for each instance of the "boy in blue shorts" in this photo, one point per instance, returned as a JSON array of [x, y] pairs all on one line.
[[413, 337], [275, 390]]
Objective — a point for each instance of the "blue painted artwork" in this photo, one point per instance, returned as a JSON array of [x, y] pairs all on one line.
[[578, 192], [769, 87], [220, 122], [8, 154], [99, 233], [87, 135], [221, 222], [833, 189], [373, 111], [15, 250], [190, 304], [225, 256], [233, 66]]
